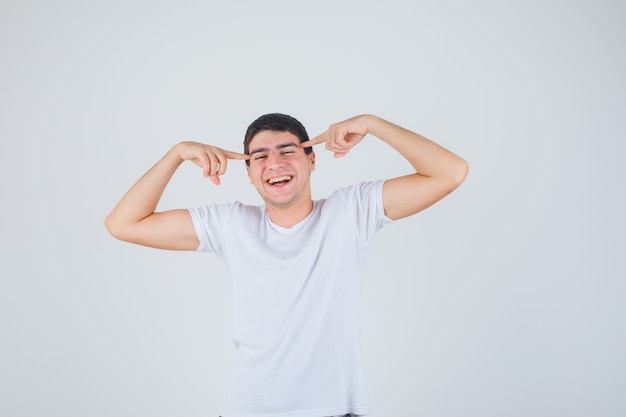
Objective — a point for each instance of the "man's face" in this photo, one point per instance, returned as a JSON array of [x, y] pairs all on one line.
[[279, 168]]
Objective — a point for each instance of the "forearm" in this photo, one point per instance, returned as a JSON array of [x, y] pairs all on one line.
[[427, 158], [142, 198]]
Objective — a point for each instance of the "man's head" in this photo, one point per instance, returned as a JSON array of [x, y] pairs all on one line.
[[277, 122], [279, 167]]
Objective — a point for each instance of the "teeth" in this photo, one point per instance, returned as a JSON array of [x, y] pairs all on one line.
[[279, 179]]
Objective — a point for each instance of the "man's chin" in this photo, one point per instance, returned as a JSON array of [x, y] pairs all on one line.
[[281, 195], [278, 202]]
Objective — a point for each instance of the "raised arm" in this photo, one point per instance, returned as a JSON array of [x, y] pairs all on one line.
[[437, 171], [134, 218]]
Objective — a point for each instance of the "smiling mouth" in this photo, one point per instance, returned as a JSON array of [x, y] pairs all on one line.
[[279, 180]]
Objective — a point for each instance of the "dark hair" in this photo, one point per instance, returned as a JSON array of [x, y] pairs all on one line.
[[278, 122]]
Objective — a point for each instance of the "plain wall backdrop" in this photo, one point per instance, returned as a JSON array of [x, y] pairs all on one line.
[[507, 298]]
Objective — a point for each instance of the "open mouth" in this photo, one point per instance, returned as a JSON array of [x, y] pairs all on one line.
[[278, 181]]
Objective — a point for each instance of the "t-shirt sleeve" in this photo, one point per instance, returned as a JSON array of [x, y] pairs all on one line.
[[364, 202], [209, 223]]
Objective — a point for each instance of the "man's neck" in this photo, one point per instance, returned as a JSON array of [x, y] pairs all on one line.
[[291, 215]]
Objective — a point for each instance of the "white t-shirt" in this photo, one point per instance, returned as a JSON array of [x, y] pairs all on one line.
[[297, 300]]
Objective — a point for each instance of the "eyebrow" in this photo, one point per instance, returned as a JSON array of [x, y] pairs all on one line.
[[281, 146]]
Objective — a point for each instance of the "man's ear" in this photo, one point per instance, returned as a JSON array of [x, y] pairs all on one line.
[[312, 160]]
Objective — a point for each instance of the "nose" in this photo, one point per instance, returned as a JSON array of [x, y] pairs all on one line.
[[274, 160]]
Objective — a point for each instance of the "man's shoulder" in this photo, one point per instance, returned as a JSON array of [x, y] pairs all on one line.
[[359, 190], [235, 209], [353, 197]]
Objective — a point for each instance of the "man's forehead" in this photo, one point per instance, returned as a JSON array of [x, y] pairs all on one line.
[[273, 139]]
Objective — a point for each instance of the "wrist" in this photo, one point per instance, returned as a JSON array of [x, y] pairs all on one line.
[[174, 155], [372, 123]]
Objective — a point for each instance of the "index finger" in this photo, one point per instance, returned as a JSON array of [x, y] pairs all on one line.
[[312, 142], [236, 155]]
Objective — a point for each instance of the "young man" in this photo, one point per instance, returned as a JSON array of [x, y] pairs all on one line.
[[297, 265]]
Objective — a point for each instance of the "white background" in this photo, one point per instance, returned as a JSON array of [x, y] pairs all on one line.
[[505, 299]]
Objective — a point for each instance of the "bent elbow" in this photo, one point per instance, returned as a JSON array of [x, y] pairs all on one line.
[[113, 227], [462, 171], [458, 175]]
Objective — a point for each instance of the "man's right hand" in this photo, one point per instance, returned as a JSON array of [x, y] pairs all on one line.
[[211, 159]]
